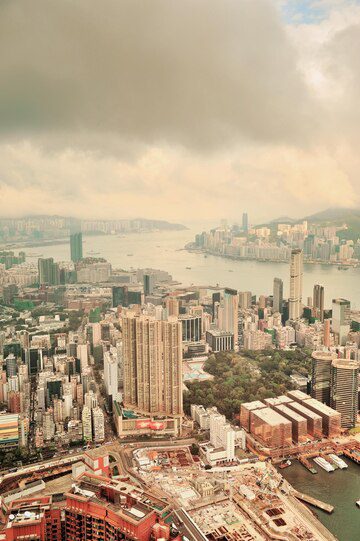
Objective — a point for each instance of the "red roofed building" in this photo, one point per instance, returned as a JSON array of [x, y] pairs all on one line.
[[97, 461], [33, 519]]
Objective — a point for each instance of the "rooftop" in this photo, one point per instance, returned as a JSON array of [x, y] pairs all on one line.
[[122, 498], [96, 452], [298, 395], [256, 404], [271, 417], [305, 411], [321, 408], [278, 400], [293, 414], [346, 364], [219, 333]]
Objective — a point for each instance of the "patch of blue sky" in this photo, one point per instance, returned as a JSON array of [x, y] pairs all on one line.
[[311, 11]]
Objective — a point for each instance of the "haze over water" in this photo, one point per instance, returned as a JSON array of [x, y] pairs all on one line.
[[164, 250]]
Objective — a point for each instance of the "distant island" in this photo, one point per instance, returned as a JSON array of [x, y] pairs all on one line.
[[39, 228]]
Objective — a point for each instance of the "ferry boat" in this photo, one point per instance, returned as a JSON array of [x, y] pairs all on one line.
[[338, 461], [324, 464], [285, 464]]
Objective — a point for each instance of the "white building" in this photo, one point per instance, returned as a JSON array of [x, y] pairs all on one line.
[[82, 354], [201, 416], [86, 423], [98, 425], [111, 374], [341, 319], [90, 400]]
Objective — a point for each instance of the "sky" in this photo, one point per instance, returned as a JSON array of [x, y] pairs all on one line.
[[179, 110]]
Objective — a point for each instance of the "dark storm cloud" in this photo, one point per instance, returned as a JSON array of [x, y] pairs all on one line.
[[197, 73]]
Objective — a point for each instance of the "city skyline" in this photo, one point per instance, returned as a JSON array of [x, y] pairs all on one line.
[[149, 119], [179, 270]]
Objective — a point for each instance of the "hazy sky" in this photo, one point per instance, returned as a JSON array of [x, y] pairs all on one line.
[[179, 109]]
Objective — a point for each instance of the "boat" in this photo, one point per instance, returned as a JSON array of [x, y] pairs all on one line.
[[285, 464], [324, 464], [230, 270], [188, 268], [343, 267], [338, 461], [358, 503], [129, 255]]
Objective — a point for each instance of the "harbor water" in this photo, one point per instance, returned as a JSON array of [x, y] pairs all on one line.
[[165, 250], [340, 488]]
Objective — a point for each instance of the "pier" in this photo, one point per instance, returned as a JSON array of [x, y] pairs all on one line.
[[307, 464], [313, 501], [352, 455]]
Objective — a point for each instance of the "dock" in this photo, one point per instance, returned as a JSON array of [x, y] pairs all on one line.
[[307, 464], [313, 501], [352, 455]]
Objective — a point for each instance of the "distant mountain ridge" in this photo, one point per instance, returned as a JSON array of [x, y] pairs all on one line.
[[335, 215]]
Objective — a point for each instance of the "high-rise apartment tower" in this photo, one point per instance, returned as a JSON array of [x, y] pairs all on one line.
[[296, 279], [278, 295], [152, 364]]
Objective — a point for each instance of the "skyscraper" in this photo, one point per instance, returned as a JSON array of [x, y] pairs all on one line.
[[76, 248], [152, 364], [245, 222], [344, 390], [321, 376], [278, 295], [172, 367], [341, 319], [149, 284], [327, 340], [296, 278], [318, 301], [111, 375], [228, 313], [49, 272], [86, 423], [245, 299]]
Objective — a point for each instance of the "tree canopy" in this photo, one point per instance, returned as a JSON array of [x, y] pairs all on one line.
[[242, 378]]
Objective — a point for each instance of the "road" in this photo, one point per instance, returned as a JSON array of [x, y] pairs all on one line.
[[187, 527]]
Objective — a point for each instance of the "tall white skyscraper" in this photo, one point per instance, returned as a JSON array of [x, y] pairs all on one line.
[[111, 374], [341, 319], [296, 279], [228, 313]]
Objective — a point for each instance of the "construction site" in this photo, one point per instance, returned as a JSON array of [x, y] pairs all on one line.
[[247, 502]]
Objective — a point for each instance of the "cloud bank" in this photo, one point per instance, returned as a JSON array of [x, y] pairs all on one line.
[[177, 109]]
